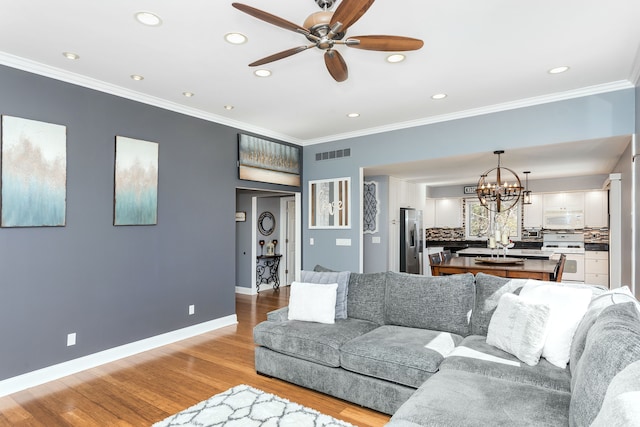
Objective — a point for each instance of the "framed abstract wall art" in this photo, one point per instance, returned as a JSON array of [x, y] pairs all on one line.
[[329, 203], [34, 173], [136, 182], [268, 161]]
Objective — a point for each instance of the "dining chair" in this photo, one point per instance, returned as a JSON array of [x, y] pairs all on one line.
[[557, 275], [446, 255], [435, 258]]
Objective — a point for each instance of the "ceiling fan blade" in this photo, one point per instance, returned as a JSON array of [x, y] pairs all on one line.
[[349, 12], [271, 19], [385, 43], [280, 55], [336, 65]]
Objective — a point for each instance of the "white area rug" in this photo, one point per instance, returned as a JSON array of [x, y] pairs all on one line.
[[244, 406]]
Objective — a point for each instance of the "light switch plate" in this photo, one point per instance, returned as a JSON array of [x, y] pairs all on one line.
[[343, 242]]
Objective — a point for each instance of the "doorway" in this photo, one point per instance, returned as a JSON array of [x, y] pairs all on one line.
[[284, 207]]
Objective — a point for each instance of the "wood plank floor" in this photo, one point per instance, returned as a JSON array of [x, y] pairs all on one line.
[[148, 387]]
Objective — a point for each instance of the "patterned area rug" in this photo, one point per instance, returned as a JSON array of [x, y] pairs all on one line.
[[244, 406]]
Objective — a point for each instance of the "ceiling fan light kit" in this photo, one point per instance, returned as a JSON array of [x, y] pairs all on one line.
[[326, 29]]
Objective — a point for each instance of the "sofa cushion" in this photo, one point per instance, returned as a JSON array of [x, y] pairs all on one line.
[[456, 398], [325, 278], [567, 305], [620, 407], [473, 354], [519, 327], [395, 353], [441, 303], [489, 289], [366, 296], [317, 342], [597, 304], [313, 302], [613, 342]]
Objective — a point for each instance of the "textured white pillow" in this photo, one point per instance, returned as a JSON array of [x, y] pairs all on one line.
[[568, 306], [313, 302], [519, 327]]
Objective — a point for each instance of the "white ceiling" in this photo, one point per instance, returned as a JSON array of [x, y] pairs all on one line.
[[486, 55]]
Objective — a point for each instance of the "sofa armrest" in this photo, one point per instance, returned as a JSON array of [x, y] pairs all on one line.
[[279, 315]]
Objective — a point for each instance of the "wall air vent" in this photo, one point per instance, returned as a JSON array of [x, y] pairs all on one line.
[[336, 154]]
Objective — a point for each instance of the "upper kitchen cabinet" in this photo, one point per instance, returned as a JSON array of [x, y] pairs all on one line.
[[533, 212], [448, 213], [564, 201], [596, 209], [404, 193], [429, 213]]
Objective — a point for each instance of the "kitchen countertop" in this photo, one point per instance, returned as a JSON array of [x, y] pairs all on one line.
[[517, 253]]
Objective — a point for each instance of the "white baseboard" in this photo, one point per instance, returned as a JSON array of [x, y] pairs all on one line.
[[245, 291], [54, 372]]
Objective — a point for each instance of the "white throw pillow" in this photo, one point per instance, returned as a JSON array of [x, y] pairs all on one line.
[[312, 302], [568, 306], [519, 327]]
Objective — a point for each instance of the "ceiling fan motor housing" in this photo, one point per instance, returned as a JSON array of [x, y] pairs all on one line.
[[318, 24]]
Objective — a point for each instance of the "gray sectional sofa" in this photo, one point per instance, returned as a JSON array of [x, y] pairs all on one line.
[[415, 347]]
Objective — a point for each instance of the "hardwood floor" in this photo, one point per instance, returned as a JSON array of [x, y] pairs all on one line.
[[148, 387]]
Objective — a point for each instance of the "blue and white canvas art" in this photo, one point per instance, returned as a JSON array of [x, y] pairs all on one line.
[[34, 173], [136, 182]]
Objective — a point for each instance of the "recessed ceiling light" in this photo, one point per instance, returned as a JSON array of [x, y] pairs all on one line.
[[559, 70], [396, 57], [439, 96], [235, 38], [353, 115], [137, 77], [148, 18], [71, 55], [262, 73], [228, 107], [188, 94]]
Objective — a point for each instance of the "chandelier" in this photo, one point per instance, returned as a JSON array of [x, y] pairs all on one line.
[[499, 188]]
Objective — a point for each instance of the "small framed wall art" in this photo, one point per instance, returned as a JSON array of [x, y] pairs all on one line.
[[329, 203], [34, 173], [136, 182]]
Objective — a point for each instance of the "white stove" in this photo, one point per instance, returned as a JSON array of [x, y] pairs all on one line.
[[572, 245]]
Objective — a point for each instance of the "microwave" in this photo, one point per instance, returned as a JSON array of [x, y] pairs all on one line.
[[563, 219]]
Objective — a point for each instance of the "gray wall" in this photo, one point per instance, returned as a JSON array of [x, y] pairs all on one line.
[[376, 255], [116, 285], [243, 241], [588, 117]]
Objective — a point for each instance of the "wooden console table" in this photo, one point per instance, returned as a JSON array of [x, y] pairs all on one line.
[[267, 270], [541, 269]]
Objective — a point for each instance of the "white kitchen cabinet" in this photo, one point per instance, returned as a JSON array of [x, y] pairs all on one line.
[[573, 201], [596, 209], [448, 213], [533, 212], [405, 193], [429, 213], [596, 268]]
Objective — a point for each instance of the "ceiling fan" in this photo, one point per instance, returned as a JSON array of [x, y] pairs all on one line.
[[326, 29]]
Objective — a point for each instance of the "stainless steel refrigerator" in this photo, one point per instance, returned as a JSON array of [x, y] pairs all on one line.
[[411, 240]]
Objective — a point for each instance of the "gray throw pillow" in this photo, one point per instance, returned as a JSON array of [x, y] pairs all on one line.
[[613, 342], [329, 277]]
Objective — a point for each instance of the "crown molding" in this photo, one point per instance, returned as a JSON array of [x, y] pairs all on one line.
[[101, 86], [527, 102], [90, 83]]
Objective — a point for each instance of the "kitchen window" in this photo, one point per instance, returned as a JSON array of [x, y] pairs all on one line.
[[480, 221]]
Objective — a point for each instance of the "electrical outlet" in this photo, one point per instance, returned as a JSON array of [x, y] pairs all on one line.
[[311, 241], [192, 309], [71, 339]]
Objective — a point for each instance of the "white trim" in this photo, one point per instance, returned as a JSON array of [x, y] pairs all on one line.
[[521, 103], [54, 372], [91, 83], [80, 80], [245, 291]]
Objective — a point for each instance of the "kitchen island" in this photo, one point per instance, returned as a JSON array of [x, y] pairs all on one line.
[[513, 253]]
